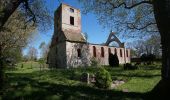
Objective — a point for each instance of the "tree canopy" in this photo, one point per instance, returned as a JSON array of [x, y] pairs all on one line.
[[34, 11], [136, 15]]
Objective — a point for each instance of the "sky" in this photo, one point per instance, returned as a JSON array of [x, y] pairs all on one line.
[[96, 33]]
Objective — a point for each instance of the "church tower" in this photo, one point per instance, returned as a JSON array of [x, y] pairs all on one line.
[[67, 31], [67, 19]]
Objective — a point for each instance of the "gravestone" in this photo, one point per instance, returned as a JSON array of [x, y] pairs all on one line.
[[85, 78]]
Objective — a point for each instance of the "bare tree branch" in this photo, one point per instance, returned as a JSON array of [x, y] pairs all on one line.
[[133, 26], [129, 7]]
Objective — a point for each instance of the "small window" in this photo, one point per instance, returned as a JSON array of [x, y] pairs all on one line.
[[127, 53], [71, 20], [109, 51], [102, 52], [120, 52], [79, 52], [94, 51], [115, 51], [71, 10]]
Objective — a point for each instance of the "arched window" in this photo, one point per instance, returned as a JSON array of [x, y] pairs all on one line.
[[71, 20], [120, 52], [102, 52], [94, 51], [109, 51], [127, 54], [115, 51], [79, 52]]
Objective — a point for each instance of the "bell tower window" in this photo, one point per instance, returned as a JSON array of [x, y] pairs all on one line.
[[71, 20], [79, 52], [71, 10]]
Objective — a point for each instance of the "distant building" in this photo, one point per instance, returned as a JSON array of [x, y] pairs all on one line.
[[69, 47]]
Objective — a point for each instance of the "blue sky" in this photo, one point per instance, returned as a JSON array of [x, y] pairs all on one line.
[[90, 25]]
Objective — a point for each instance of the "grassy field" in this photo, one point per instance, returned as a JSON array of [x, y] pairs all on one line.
[[31, 83]]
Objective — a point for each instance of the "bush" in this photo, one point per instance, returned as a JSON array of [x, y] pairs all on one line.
[[94, 62], [129, 67], [103, 79], [148, 58]]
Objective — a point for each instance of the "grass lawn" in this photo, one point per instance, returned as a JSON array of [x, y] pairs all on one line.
[[29, 83]]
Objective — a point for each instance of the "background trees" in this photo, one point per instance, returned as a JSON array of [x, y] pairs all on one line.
[[148, 46], [14, 37], [136, 15]]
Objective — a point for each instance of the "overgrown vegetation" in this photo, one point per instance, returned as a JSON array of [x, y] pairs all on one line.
[[103, 79], [35, 84]]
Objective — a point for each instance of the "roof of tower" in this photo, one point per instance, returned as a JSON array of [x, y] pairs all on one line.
[[69, 6], [74, 36]]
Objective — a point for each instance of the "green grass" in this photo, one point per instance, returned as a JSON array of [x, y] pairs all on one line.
[[31, 83]]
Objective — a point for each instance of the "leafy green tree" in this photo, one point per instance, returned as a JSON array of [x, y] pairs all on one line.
[[14, 37], [33, 14], [34, 11]]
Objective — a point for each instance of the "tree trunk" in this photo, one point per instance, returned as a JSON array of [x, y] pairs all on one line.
[[8, 10], [1, 69], [162, 16]]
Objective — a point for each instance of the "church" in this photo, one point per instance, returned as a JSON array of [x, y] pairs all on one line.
[[69, 47]]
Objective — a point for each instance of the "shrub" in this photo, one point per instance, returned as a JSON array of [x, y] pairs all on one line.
[[129, 66], [94, 62], [103, 79], [148, 58]]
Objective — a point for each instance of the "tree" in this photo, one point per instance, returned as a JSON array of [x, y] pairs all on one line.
[[29, 8], [30, 20], [44, 50], [32, 54], [148, 46], [44, 53], [142, 15], [14, 37]]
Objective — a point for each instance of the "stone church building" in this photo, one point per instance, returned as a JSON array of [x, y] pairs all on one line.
[[69, 47]]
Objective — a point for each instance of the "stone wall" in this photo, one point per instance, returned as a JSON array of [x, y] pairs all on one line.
[[57, 56], [104, 60], [72, 54], [66, 19], [52, 57], [87, 54]]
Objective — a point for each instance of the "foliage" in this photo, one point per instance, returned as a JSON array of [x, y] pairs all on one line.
[[15, 54], [135, 15], [147, 58], [28, 9], [32, 54], [44, 50], [129, 66], [14, 37], [94, 62], [103, 79], [16, 33], [151, 45]]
